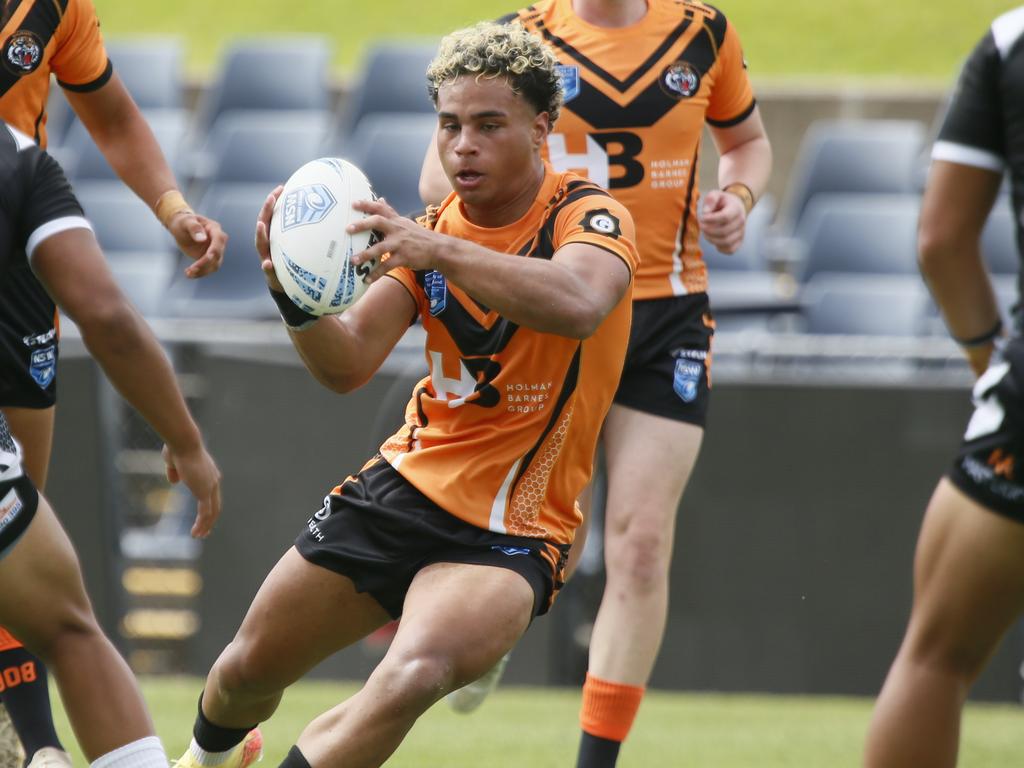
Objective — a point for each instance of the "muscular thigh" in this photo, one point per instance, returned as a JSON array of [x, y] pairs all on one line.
[[302, 614], [649, 460], [42, 584]]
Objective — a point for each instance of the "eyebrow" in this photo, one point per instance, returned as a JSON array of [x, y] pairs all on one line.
[[474, 116]]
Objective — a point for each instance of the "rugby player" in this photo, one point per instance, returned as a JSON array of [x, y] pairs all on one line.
[[43, 600], [62, 38], [462, 523], [641, 81], [969, 564]]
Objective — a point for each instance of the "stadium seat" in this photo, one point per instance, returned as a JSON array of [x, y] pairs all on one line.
[[260, 74], [999, 239], [393, 80], [238, 289], [144, 276], [750, 256], [86, 162], [151, 69], [121, 220], [389, 148], [852, 156], [860, 233], [870, 305], [244, 147]]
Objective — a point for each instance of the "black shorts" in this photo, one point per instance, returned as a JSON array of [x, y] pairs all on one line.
[[19, 499], [989, 467], [28, 342], [380, 531], [668, 362]]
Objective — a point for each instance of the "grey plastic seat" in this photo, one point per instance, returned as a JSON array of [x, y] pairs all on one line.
[[238, 289], [871, 305], [860, 233], [245, 147], [122, 222], [852, 156], [144, 276], [152, 70], [389, 148], [88, 163], [750, 256], [278, 73], [393, 80]]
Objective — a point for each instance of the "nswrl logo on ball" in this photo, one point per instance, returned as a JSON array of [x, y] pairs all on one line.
[[307, 205]]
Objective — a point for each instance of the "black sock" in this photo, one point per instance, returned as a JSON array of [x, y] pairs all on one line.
[[295, 759], [213, 738], [596, 752], [27, 698]]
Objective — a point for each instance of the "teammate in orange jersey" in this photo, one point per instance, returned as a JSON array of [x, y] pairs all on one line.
[[42, 599], [641, 80], [462, 523], [969, 564], [62, 37]]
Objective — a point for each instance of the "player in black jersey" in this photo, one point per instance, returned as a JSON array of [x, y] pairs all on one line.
[[969, 565], [43, 600]]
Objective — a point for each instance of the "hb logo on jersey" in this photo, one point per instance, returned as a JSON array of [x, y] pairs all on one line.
[[307, 205]]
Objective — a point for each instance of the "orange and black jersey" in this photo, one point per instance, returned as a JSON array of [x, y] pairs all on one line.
[[41, 37], [636, 101], [502, 432]]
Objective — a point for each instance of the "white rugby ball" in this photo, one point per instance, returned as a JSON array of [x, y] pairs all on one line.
[[311, 251]]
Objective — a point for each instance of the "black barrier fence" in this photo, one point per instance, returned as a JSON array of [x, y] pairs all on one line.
[[793, 551]]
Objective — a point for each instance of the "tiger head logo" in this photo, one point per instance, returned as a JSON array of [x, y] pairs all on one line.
[[23, 52], [680, 80]]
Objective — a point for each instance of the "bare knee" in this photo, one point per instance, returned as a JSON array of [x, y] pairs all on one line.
[[69, 634], [414, 680], [939, 652], [242, 671], [640, 557]]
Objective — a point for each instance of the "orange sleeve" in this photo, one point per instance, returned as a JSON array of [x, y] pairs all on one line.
[[407, 278], [602, 221], [80, 60], [732, 97]]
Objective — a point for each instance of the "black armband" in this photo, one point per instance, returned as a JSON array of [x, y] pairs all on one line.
[[296, 318], [982, 339]]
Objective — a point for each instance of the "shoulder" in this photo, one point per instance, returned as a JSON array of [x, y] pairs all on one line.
[[1006, 31], [705, 13], [583, 204]]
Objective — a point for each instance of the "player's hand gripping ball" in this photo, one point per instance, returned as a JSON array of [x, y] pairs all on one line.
[[309, 246]]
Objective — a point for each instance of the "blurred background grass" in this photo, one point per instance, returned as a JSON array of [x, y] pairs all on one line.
[[918, 39], [538, 727]]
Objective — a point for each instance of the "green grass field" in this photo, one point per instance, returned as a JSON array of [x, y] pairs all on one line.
[[909, 38], [538, 728]]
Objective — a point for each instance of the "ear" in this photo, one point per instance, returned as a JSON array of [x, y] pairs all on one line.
[[541, 128]]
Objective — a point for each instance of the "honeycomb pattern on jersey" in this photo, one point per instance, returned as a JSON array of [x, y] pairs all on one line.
[[524, 512]]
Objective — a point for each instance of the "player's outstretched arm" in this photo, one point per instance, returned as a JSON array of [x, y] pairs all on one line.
[[569, 295], [957, 201], [343, 351], [72, 268], [744, 165], [128, 143]]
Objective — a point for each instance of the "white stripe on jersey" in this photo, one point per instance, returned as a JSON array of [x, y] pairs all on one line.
[[23, 141], [497, 522], [52, 227], [675, 276], [962, 154], [1007, 29]]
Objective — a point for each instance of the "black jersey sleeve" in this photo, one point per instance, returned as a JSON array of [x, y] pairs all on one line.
[[50, 205], [972, 132]]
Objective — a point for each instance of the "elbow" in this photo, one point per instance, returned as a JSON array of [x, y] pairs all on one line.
[[584, 322], [109, 326], [937, 246], [340, 382]]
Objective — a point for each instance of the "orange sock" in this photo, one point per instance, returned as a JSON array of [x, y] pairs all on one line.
[[609, 708]]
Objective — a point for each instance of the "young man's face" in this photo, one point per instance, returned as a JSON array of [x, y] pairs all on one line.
[[489, 140]]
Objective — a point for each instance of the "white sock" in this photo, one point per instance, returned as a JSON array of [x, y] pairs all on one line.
[[209, 759], [144, 753]]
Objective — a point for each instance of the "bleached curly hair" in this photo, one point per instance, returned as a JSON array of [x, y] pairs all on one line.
[[489, 50]]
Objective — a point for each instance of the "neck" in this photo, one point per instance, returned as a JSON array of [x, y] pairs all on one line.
[[514, 209], [610, 13]]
